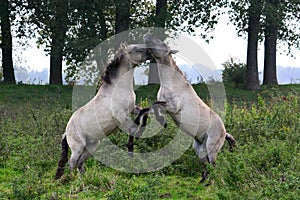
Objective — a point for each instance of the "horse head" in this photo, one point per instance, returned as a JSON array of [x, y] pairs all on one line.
[[137, 53], [128, 56], [157, 47]]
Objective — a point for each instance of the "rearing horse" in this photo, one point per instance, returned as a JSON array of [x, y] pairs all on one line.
[[109, 110], [186, 108]]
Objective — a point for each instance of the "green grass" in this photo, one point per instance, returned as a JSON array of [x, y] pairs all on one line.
[[266, 125]]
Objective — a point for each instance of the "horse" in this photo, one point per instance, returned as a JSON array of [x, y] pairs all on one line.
[[185, 107], [109, 110]]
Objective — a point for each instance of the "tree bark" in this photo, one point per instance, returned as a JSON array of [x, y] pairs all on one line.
[[6, 44], [122, 15], [122, 21], [159, 21], [252, 80], [271, 34], [160, 13], [57, 42]]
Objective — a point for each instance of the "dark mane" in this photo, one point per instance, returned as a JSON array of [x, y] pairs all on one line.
[[112, 67]]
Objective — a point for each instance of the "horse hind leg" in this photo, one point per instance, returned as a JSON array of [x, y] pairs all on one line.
[[76, 151], [91, 146], [231, 141], [84, 156], [203, 157]]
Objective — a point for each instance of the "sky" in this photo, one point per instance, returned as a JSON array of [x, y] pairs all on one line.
[[224, 45]]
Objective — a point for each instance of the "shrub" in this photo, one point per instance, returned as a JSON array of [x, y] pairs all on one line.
[[234, 73]]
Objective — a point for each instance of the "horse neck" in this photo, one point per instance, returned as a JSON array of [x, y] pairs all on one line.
[[169, 73], [124, 78]]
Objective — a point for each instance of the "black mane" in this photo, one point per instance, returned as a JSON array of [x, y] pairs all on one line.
[[112, 68]]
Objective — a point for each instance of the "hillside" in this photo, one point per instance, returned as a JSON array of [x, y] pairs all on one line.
[[266, 164]]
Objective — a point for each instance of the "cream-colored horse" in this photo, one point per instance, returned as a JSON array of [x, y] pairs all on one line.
[[109, 110], [187, 110]]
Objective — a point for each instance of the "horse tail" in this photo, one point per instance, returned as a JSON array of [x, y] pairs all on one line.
[[63, 157], [231, 141]]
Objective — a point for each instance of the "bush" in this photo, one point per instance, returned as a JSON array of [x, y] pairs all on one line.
[[234, 73]]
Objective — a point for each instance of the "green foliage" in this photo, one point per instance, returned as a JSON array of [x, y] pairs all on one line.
[[266, 164], [279, 13], [189, 15], [234, 73]]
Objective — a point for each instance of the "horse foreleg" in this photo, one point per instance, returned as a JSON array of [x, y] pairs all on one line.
[[159, 108], [130, 145], [141, 121], [126, 124]]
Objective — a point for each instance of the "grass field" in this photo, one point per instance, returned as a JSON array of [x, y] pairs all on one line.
[[266, 125]]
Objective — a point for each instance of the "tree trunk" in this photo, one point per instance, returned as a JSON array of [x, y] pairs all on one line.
[[270, 71], [122, 21], [159, 21], [56, 59], [160, 13], [6, 44], [57, 43], [122, 15], [271, 32], [252, 80]]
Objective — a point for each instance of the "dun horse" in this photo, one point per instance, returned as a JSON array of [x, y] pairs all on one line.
[[108, 110], [187, 110]]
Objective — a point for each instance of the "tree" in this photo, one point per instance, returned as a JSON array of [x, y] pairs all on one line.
[[92, 23], [281, 25], [58, 34], [159, 21], [246, 16], [254, 13], [277, 21], [51, 20], [6, 43], [187, 16], [122, 15], [271, 35]]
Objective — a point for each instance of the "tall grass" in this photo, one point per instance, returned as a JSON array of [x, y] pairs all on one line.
[[265, 166]]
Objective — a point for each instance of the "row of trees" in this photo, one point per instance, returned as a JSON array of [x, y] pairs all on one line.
[[68, 30], [271, 21]]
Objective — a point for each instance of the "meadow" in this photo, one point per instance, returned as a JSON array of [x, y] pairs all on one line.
[[266, 164]]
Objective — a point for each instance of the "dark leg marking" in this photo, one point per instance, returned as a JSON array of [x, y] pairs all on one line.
[[231, 141], [160, 118]]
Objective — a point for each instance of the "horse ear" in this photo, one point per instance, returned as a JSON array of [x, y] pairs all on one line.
[[174, 51]]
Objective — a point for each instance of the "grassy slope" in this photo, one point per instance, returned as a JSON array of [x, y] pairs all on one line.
[[266, 166]]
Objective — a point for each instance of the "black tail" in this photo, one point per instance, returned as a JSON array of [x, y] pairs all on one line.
[[231, 141], [63, 158]]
